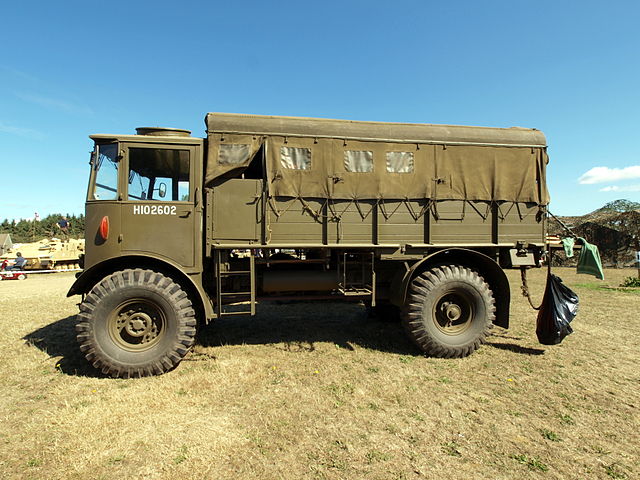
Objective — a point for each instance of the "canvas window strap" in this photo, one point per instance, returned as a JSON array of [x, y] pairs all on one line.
[[386, 215], [363, 216], [318, 216], [336, 217], [462, 214], [501, 216], [274, 207], [434, 209], [539, 160], [414, 215], [484, 215]]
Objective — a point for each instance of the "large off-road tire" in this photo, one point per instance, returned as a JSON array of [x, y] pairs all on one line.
[[449, 311], [136, 323]]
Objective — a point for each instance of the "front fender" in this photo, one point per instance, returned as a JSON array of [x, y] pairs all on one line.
[[88, 278]]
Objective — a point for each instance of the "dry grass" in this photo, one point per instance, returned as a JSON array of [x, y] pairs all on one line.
[[319, 391]]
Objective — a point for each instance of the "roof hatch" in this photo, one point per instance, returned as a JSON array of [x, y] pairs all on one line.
[[163, 132]]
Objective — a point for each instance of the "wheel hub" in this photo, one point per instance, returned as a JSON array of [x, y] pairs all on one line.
[[453, 313], [137, 325]]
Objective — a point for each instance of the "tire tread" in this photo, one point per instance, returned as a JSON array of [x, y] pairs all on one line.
[[162, 285], [414, 320]]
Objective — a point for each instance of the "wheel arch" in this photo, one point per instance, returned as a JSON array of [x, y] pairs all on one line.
[[483, 264], [88, 278]]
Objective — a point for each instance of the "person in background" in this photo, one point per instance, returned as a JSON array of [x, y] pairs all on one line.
[[63, 225], [19, 263]]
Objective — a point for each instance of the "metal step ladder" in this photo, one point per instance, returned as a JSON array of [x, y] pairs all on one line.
[[357, 275], [227, 298]]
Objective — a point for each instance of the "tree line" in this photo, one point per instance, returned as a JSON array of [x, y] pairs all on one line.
[[32, 230]]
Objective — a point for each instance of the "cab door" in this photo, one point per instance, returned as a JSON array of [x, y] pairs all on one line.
[[160, 212]]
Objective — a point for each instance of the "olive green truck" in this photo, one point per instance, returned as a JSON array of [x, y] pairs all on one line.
[[415, 217]]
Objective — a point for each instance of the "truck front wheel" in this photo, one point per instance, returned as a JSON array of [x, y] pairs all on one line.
[[449, 311], [136, 323]]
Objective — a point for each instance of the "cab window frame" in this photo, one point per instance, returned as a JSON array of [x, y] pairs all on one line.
[[191, 158]]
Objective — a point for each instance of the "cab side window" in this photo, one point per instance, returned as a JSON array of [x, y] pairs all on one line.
[[159, 174]]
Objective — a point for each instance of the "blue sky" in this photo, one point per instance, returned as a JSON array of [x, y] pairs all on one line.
[[72, 68]]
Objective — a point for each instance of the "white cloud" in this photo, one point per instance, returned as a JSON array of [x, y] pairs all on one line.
[[21, 132], [625, 188], [55, 104], [18, 74], [606, 174]]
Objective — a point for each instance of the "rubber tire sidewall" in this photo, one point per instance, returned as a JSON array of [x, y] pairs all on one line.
[[478, 322], [431, 339], [115, 353], [105, 353]]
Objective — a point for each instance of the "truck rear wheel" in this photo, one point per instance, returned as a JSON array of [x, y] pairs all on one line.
[[136, 323], [449, 311]]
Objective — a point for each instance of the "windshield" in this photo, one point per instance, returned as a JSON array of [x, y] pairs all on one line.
[[105, 166]]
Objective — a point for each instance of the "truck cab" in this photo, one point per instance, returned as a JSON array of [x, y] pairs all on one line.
[[145, 198]]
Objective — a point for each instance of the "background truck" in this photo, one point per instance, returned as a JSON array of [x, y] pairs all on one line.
[[48, 254], [416, 218]]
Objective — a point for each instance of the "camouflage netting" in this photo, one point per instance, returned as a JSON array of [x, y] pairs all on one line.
[[340, 159], [615, 233]]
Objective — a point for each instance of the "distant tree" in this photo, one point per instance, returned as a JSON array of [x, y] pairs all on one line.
[[24, 231], [621, 206]]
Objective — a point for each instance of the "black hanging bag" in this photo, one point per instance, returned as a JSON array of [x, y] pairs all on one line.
[[559, 307]]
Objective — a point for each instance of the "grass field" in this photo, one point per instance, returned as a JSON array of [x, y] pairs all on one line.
[[320, 391]]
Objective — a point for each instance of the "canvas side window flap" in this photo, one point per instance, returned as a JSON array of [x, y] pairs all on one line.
[[295, 158], [228, 155], [233, 153], [399, 162], [360, 161]]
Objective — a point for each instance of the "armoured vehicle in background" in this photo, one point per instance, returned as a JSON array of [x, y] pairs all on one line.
[[49, 254], [420, 218]]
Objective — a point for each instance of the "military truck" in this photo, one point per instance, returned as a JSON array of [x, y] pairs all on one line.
[[421, 219], [49, 254]]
